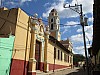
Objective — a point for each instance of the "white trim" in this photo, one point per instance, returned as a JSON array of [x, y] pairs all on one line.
[[31, 71]]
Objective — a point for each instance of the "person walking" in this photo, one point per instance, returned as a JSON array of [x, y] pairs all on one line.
[[84, 67]]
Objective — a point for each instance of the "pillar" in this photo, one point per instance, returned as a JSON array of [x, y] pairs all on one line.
[[32, 61], [45, 51]]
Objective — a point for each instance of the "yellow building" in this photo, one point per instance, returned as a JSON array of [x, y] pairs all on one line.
[[36, 46]]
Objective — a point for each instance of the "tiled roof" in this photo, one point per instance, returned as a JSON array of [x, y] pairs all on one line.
[[51, 38]]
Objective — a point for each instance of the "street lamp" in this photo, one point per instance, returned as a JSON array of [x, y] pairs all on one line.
[[83, 22]]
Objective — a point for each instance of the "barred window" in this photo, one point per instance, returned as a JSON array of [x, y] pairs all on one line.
[[61, 55], [51, 26], [68, 58], [54, 52], [58, 55], [65, 57]]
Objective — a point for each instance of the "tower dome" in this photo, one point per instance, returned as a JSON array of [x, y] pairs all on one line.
[[54, 10]]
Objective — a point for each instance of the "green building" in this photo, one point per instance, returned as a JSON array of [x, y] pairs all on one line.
[[6, 47]]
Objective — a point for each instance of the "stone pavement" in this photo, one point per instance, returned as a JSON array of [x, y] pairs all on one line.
[[75, 71]]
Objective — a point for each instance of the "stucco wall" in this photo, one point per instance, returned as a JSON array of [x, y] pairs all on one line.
[[22, 36], [6, 47], [21, 50], [58, 62]]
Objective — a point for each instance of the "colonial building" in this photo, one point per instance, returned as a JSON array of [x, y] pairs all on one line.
[[35, 46], [96, 32], [54, 22]]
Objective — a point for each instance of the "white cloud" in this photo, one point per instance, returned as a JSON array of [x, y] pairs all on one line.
[[46, 4], [88, 32], [64, 31], [14, 3], [88, 29], [90, 19], [66, 12], [79, 30], [79, 48], [25, 0], [77, 38], [68, 25], [73, 23]]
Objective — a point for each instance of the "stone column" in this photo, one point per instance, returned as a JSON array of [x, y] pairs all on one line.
[[32, 61], [45, 50]]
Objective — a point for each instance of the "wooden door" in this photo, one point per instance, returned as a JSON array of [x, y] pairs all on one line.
[[37, 55]]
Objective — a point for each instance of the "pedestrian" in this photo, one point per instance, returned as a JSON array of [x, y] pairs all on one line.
[[71, 66], [84, 67]]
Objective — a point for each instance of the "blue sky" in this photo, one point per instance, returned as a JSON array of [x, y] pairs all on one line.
[[67, 17]]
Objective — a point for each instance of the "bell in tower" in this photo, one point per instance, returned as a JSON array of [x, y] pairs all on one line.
[[54, 22]]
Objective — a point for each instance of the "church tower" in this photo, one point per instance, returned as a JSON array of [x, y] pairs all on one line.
[[54, 22]]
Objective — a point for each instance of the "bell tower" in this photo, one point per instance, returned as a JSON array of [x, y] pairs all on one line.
[[54, 22]]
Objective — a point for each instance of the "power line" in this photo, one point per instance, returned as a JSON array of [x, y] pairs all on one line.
[[26, 24], [51, 22]]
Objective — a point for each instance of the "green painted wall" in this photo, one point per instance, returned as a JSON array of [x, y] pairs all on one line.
[[6, 47]]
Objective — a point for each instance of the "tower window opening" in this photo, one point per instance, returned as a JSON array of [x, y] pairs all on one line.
[[55, 13], [52, 14], [51, 26], [52, 20]]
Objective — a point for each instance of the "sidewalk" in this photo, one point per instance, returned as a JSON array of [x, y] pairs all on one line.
[[78, 72], [65, 71], [75, 71]]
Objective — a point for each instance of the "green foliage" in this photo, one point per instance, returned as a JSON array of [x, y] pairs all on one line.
[[78, 57]]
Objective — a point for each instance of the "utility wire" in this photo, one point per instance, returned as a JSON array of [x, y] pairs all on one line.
[[51, 22], [26, 24]]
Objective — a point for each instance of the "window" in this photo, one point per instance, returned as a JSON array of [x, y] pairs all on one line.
[[55, 13], [58, 55], [61, 55], [68, 58], [54, 52], [51, 26], [64, 57], [52, 20]]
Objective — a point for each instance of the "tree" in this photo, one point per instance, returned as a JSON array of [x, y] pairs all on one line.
[[77, 58]]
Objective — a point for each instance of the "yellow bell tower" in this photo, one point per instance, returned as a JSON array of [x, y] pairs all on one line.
[[54, 22]]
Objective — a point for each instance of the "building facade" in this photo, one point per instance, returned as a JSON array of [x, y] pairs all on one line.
[[95, 50], [36, 46]]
